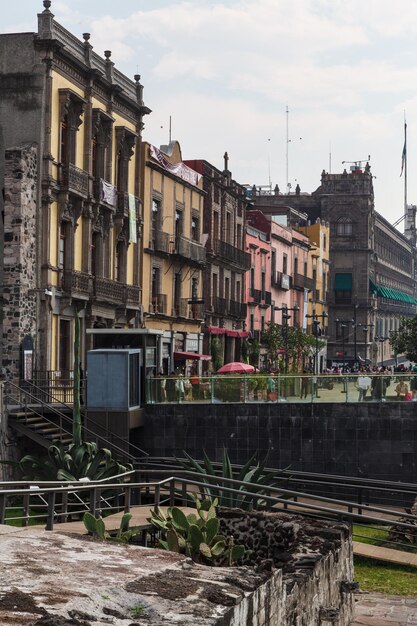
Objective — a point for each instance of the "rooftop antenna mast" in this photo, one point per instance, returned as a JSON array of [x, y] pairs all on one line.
[[287, 111]]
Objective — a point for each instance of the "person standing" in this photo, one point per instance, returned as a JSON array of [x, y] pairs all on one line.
[[363, 383]]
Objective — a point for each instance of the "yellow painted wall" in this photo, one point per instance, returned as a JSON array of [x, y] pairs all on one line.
[[173, 191]]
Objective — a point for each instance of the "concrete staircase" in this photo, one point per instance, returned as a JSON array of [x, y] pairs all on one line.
[[40, 428]]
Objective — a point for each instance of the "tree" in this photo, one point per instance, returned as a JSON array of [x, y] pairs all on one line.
[[288, 343], [404, 341]]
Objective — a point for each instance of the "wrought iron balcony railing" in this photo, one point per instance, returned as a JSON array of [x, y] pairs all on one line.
[[158, 304], [230, 253], [77, 283], [123, 200], [75, 180], [302, 282], [105, 193]]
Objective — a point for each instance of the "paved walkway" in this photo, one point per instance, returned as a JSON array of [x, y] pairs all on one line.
[[377, 609]]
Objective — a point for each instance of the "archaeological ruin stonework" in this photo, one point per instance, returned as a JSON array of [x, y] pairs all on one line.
[[19, 295]]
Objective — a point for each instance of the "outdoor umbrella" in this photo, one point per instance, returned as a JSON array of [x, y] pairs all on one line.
[[236, 368]]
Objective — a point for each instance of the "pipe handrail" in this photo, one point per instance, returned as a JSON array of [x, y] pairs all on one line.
[[106, 432], [64, 417]]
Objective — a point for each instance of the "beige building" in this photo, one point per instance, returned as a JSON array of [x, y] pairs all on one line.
[[173, 256]]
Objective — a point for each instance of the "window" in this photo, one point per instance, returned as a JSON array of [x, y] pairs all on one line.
[[324, 242], [285, 264], [343, 288], [178, 223], [177, 292], [228, 237], [125, 144], [64, 357], [195, 229], [102, 124], [344, 227], [252, 278], [252, 322], [227, 289], [262, 322], [263, 284], [155, 221], [239, 236], [95, 255], [305, 268], [295, 266], [71, 109]]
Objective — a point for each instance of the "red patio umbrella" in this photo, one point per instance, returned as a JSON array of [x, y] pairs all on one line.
[[236, 368]]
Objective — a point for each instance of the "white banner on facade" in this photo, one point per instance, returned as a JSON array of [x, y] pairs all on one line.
[[132, 219], [179, 169]]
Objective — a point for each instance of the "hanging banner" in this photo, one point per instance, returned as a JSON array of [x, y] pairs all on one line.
[[179, 169], [132, 219]]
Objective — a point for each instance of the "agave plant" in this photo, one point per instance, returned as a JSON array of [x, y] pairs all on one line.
[[197, 534], [85, 460], [253, 473]]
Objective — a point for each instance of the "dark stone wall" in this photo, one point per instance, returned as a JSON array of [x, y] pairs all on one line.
[[369, 440]]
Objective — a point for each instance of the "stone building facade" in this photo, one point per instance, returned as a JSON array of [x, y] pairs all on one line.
[[371, 282], [227, 261], [75, 194]]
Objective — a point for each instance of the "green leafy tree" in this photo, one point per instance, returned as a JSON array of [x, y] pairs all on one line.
[[216, 353], [404, 341], [300, 346]]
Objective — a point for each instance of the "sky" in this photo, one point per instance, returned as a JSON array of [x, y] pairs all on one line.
[[226, 73]]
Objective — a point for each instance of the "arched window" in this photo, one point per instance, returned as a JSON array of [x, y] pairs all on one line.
[[344, 227]]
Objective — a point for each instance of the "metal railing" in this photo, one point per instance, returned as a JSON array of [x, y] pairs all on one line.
[[286, 388], [28, 403], [99, 498]]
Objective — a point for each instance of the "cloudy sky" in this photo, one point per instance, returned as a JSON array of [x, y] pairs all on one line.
[[225, 71]]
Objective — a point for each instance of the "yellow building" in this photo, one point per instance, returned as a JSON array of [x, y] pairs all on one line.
[[318, 297], [173, 255], [83, 120]]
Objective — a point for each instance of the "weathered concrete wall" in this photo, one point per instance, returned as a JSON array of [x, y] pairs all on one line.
[[54, 579], [19, 299], [360, 439]]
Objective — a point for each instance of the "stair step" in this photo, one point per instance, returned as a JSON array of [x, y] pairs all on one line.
[[31, 420], [49, 430]]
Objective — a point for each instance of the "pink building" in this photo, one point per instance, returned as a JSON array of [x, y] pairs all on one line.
[[258, 280], [288, 267]]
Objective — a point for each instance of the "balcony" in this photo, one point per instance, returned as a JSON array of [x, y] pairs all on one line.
[[123, 204], [302, 282], [75, 180], [232, 254], [238, 309], [262, 298], [77, 284], [133, 296], [158, 304], [180, 308], [189, 249], [160, 242], [109, 291], [220, 305], [281, 280], [105, 193]]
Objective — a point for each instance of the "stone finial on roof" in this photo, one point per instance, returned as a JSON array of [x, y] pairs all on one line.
[[86, 37], [107, 54], [276, 190], [47, 5], [226, 161]]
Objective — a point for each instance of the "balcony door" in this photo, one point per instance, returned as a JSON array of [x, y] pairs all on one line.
[[65, 348]]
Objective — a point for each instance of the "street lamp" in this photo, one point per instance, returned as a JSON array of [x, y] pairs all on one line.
[[365, 332], [355, 308], [317, 332], [343, 327], [285, 318]]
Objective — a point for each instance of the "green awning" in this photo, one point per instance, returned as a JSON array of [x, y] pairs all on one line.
[[392, 294], [343, 282]]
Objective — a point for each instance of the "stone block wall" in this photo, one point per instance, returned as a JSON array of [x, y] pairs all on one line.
[[19, 299], [315, 558], [368, 440]]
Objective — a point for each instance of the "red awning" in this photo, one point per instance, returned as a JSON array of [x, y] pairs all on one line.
[[215, 330], [232, 333], [243, 333], [191, 356]]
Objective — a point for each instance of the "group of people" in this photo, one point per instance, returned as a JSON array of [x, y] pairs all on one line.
[[379, 383]]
